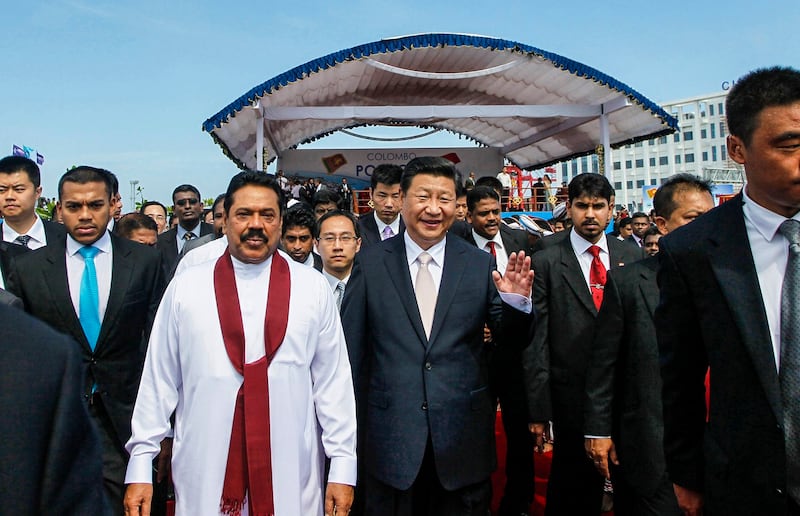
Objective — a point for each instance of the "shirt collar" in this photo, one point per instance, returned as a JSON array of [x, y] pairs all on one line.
[[395, 225], [309, 260], [413, 250], [765, 221], [195, 230], [103, 244], [581, 245], [36, 232], [481, 241], [333, 281]]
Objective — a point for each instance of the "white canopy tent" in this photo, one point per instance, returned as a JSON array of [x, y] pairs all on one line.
[[536, 107]]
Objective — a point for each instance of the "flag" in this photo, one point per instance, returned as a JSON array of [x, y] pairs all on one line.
[[39, 159], [333, 162], [453, 157], [19, 151]]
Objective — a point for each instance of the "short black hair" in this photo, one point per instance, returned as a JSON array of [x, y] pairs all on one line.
[[12, 164], [325, 196], [652, 230], [130, 222], [337, 213], [625, 221], [153, 203], [491, 182], [430, 165], [478, 194], [298, 216], [386, 174], [640, 215], [590, 184], [85, 174], [220, 198], [664, 200], [186, 188], [114, 182], [247, 178], [759, 89]]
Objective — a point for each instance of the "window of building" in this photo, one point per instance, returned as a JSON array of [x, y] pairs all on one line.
[[722, 129], [713, 154], [688, 136], [721, 111], [705, 155], [617, 165], [723, 152], [618, 185], [689, 157], [677, 159], [595, 163], [653, 182], [713, 130], [574, 167], [663, 160], [637, 144], [628, 163], [703, 134], [676, 137], [662, 140], [652, 162], [711, 109], [584, 164], [639, 163], [630, 185], [651, 142], [640, 183], [564, 171]]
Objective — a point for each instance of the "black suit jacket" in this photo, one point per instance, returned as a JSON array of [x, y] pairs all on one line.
[[410, 388], [40, 280], [167, 244], [555, 363], [48, 446], [623, 380], [7, 253], [368, 229], [711, 314]]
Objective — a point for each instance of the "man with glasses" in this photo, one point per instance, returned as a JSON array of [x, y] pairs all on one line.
[[338, 241], [187, 206], [156, 211]]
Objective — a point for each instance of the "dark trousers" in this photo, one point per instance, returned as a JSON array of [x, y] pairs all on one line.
[[628, 501], [508, 386], [426, 496], [575, 487], [115, 458]]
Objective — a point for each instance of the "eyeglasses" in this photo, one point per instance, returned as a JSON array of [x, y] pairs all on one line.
[[184, 202], [346, 239]]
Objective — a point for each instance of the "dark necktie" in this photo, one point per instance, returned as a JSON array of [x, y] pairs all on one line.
[[492, 249], [22, 240], [188, 236], [597, 276], [789, 373]]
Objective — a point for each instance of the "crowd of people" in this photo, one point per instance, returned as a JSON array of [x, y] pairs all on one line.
[[277, 354]]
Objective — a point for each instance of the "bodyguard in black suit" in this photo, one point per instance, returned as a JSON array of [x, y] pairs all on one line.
[[487, 232], [721, 280], [555, 364], [188, 207], [623, 383], [384, 194], [421, 371], [48, 447], [49, 281]]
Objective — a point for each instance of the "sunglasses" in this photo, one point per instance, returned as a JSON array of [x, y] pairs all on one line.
[[184, 202]]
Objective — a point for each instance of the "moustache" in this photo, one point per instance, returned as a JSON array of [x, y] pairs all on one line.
[[254, 233]]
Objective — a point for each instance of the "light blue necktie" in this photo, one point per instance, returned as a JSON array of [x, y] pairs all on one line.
[[89, 311]]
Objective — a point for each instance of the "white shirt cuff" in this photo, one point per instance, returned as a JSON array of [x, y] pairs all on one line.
[[343, 471], [140, 470], [518, 301]]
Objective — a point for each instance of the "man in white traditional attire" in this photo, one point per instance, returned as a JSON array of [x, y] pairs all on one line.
[[249, 352]]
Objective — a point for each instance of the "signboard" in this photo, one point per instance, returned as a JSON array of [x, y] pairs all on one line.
[[357, 164], [721, 193]]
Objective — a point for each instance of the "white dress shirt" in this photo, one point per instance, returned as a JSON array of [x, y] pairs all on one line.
[[102, 266], [501, 255], [395, 225], [580, 246], [36, 232], [436, 265], [770, 253]]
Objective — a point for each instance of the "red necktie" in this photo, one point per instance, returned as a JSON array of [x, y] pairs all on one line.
[[492, 250], [597, 276]]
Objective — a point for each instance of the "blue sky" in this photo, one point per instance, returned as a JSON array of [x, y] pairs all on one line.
[[127, 85]]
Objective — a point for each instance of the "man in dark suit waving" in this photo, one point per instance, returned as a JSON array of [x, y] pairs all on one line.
[[567, 292], [505, 366], [103, 291], [623, 413], [729, 297], [414, 313]]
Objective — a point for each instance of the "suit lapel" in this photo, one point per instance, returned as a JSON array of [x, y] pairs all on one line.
[[648, 285], [454, 267], [573, 276], [731, 260], [54, 278], [396, 264], [121, 271]]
